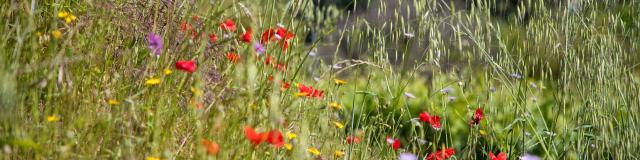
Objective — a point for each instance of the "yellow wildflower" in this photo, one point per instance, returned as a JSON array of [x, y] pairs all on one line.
[[339, 81], [113, 102], [52, 118], [196, 91], [338, 125], [335, 105], [338, 154], [56, 34], [68, 17], [63, 14], [167, 71], [152, 158], [152, 81], [313, 151], [291, 135], [288, 146], [482, 132], [302, 94]]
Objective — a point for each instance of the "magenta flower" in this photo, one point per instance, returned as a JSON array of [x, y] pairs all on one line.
[[259, 48], [155, 43]]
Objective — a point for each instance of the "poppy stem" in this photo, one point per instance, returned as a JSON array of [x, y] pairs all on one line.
[[184, 79]]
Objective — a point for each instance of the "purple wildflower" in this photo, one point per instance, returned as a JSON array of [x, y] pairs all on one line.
[[155, 44], [492, 89], [528, 156], [259, 48], [533, 85], [407, 156], [516, 75], [446, 90]]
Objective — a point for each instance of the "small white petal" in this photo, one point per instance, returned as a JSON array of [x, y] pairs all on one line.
[[409, 95], [409, 35]]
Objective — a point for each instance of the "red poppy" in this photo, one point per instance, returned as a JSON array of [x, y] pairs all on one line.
[[228, 25], [285, 86], [282, 33], [278, 34], [284, 45], [246, 36], [213, 38], [187, 66], [441, 154], [184, 26], [434, 121], [395, 143], [500, 156], [353, 139], [233, 57], [267, 60], [310, 92], [280, 67], [477, 116], [195, 18], [425, 117], [253, 136], [211, 146], [275, 138], [270, 78]]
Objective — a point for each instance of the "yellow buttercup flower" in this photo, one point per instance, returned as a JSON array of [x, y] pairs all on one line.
[[63, 14], [288, 146], [68, 17], [313, 151], [291, 135], [167, 71], [152, 81], [52, 118], [335, 105], [56, 34], [113, 102], [339, 81], [338, 154], [152, 158], [338, 125]]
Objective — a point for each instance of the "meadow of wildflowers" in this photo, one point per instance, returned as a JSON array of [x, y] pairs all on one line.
[[308, 79]]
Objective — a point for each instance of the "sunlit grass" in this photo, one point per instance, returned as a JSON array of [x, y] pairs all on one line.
[[80, 80]]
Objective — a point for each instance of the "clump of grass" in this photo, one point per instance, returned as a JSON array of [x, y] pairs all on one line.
[[85, 83]]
